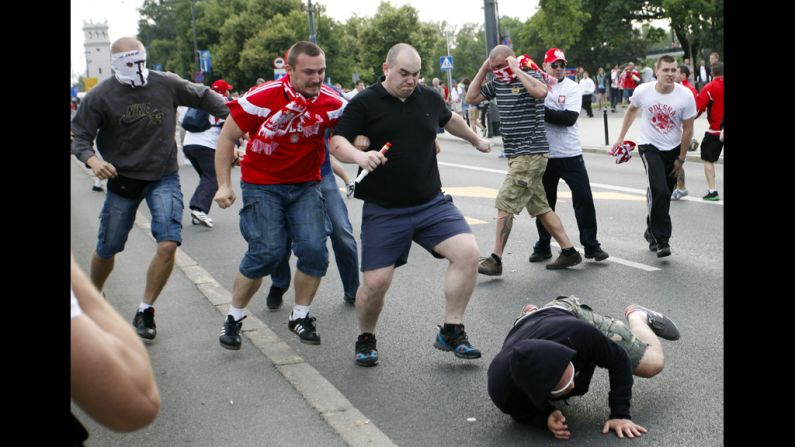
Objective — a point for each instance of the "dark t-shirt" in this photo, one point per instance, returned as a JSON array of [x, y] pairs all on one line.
[[411, 176]]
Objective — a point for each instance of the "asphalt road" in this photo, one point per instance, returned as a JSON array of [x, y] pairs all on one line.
[[418, 395]]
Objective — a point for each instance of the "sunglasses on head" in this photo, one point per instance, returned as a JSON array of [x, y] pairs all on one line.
[[557, 65]]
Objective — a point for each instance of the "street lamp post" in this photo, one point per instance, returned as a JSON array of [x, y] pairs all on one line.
[[312, 35], [193, 25]]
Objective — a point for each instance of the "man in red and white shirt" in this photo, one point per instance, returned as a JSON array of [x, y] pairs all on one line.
[[711, 100], [630, 81], [280, 180]]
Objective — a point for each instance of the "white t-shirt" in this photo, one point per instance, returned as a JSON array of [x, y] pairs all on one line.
[[76, 310], [208, 138], [587, 86], [564, 141], [663, 114]]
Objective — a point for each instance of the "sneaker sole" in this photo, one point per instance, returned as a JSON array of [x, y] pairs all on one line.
[[543, 258], [456, 353], [367, 363], [561, 267], [597, 258], [663, 252], [196, 221], [230, 347], [309, 342], [274, 309]]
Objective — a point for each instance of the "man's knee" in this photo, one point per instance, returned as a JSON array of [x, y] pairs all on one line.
[[650, 365], [377, 283], [167, 249]]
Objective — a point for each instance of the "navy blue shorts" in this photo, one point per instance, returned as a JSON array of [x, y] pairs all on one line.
[[387, 233]]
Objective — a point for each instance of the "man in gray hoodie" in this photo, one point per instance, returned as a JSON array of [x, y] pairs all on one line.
[[132, 115], [551, 353]]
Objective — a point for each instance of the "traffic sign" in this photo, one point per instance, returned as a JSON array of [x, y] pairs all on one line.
[[278, 62], [446, 63], [279, 73]]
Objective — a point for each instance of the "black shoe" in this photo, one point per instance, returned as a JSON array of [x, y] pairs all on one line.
[[144, 322], [597, 254], [97, 188], [540, 255], [663, 250], [230, 333], [305, 328], [274, 299], [366, 352], [349, 299], [650, 239], [661, 325], [458, 342]]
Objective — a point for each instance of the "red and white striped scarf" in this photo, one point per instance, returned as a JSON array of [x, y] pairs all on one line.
[[506, 75], [298, 107]]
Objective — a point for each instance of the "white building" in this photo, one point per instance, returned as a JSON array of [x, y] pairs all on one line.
[[97, 44]]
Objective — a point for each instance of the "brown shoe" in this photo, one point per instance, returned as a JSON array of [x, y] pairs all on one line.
[[564, 261], [489, 267]]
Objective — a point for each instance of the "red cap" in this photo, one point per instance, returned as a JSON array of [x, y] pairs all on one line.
[[221, 86], [554, 54]]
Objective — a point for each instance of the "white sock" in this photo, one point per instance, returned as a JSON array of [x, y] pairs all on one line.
[[712, 190], [97, 182], [298, 312], [144, 306], [236, 313]]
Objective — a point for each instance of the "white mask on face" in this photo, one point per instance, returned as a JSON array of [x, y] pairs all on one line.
[[130, 67]]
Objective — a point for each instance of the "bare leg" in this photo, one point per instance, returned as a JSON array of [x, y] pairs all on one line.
[[305, 287], [653, 360], [554, 226], [159, 270], [370, 297], [243, 289], [680, 181], [504, 226], [709, 172], [100, 270], [459, 281]]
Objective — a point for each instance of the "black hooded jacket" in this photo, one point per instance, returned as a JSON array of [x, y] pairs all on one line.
[[538, 350]]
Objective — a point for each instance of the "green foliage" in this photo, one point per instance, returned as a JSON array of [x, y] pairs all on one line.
[[244, 36]]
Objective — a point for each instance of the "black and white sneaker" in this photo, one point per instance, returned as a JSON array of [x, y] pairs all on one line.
[[200, 218], [230, 333], [305, 328], [144, 322]]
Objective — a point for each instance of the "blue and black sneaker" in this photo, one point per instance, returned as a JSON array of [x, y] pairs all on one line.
[[457, 342], [366, 352]]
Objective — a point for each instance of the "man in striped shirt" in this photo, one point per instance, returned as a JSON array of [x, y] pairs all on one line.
[[520, 94]]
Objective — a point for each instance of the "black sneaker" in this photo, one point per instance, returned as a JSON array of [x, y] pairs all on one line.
[[144, 322], [712, 196], [596, 254], [305, 328], [663, 250], [456, 342], [349, 299], [661, 325], [366, 352], [274, 299], [97, 188], [230, 333], [540, 255], [650, 239]]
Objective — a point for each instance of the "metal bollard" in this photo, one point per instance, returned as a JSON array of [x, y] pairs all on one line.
[[607, 140]]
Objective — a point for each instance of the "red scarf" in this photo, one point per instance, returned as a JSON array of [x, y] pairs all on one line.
[[506, 75], [298, 107]]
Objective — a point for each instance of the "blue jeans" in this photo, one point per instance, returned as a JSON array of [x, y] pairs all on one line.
[[164, 199], [274, 215], [342, 240]]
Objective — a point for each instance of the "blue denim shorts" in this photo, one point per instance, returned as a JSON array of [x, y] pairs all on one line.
[[274, 214], [387, 233], [164, 199]]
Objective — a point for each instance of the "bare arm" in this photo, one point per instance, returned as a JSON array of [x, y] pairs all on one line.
[[111, 374], [345, 152], [224, 156], [458, 127], [473, 95], [538, 89], [629, 118], [687, 136]]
